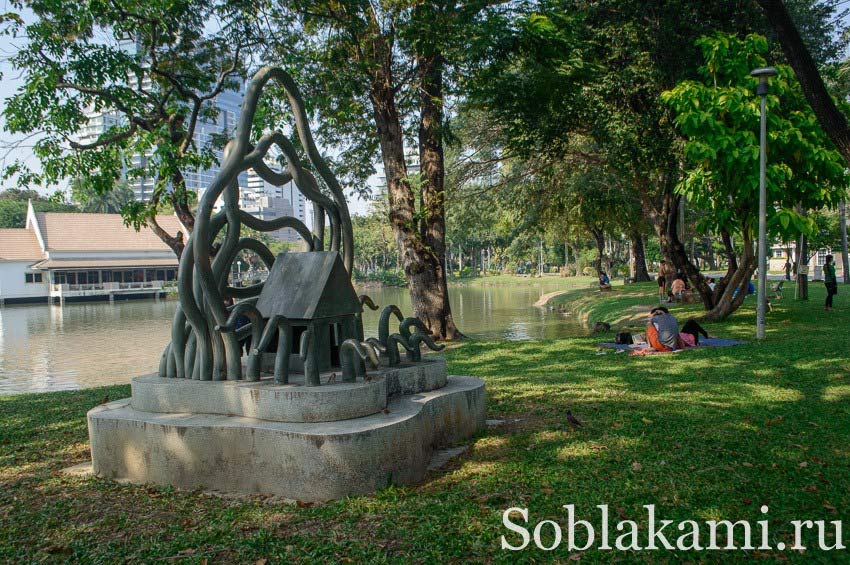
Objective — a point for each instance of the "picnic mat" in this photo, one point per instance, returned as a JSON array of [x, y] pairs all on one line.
[[703, 342]]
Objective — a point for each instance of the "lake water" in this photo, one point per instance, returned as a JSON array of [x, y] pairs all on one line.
[[46, 348]]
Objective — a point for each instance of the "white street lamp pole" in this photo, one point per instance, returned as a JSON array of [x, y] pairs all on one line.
[[762, 74]]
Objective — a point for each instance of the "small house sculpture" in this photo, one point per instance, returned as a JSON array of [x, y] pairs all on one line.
[[313, 294]]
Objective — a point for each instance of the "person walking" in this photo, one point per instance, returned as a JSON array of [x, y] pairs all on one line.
[[787, 270], [663, 273], [830, 282]]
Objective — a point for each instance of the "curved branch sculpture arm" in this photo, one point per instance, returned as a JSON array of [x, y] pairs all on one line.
[[352, 355], [393, 342], [308, 357], [198, 349], [414, 354], [404, 326], [384, 322], [366, 301], [249, 311], [280, 325]]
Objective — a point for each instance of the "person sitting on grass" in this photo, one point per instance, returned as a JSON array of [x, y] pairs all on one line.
[[690, 333], [677, 288], [604, 282], [662, 330]]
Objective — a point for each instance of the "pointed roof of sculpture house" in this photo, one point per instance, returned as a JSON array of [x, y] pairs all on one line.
[[308, 286]]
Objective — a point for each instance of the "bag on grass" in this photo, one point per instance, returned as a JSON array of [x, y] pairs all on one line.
[[623, 338]]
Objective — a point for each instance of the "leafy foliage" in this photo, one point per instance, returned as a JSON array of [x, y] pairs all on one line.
[[719, 117], [153, 67], [13, 206]]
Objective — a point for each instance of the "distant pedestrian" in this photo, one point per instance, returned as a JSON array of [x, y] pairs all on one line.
[[787, 270], [663, 273], [830, 282]]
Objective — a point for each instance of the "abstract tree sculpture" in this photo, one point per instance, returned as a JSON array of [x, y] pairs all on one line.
[[205, 342]]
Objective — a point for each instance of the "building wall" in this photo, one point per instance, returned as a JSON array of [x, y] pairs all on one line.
[[13, 283]]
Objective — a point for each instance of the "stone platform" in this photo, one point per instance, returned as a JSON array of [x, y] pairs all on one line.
[[304, 443]]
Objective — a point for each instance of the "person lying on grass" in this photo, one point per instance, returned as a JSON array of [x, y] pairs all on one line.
[[662, 331]]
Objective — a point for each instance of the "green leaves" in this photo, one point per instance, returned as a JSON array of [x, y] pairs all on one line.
[[719, 119], [136, 75]]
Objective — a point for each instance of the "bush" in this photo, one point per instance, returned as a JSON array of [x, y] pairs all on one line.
[[389, 277]]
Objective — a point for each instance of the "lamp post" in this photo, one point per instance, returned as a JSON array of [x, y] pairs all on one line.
[[763, 74]]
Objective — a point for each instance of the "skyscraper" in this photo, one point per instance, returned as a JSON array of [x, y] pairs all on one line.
[[259, 198]]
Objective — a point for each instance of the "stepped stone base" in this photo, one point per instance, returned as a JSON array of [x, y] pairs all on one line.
[[267, 400], [308, 461]]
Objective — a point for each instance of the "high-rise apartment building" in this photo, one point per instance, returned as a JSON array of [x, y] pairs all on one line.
[[258, 197]]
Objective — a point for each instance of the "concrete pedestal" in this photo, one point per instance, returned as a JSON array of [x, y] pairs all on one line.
[[245, 439]]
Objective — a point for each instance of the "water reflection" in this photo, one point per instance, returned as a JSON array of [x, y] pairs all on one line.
[[80, 345], [45, 348]]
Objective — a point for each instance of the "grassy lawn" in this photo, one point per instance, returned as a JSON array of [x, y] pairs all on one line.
[[703, 434]]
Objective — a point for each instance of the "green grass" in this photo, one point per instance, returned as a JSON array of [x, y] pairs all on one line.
[[703, 434]]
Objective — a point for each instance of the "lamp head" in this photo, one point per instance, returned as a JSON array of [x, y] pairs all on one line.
[[763, 72]]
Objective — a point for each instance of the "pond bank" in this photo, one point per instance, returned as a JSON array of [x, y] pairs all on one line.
[[624, 307]]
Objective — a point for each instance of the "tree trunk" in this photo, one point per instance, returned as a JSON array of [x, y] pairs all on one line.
[[600, 248], [429, 290], [400, 195], [679, 256], [724, 300], [845, 260], [739, 279], [641, 274], [830, 117]]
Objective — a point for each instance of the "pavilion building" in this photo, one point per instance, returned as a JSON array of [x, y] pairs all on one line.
[[76, 257]]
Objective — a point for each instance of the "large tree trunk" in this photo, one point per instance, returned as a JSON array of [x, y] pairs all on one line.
[[599, 237], [724, 300], [660, 213], [738, 280], [830, 117], [641, 273], [422, 250], [412, 255], [678, 253]]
